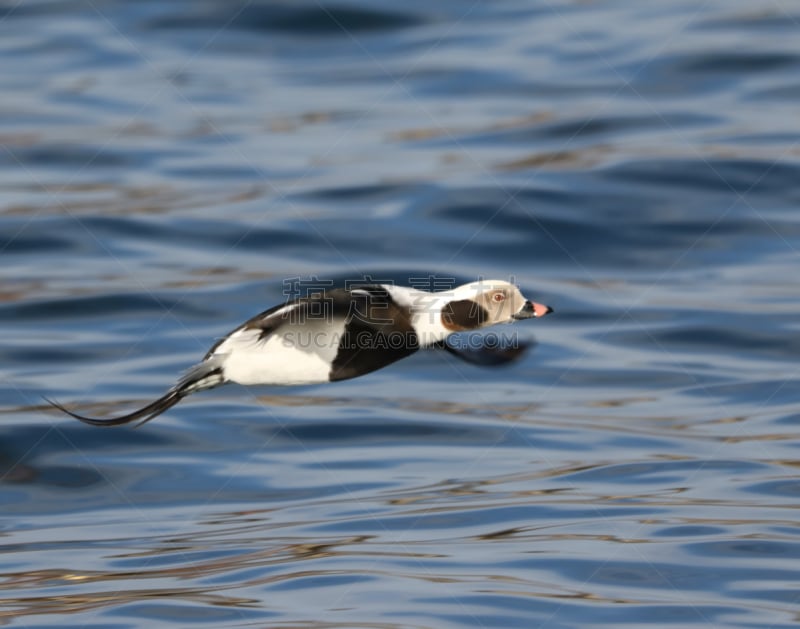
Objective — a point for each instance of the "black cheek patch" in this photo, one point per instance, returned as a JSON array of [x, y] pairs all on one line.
[[464, 314]]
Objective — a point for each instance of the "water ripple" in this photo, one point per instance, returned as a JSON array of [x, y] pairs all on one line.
[[163, 171]]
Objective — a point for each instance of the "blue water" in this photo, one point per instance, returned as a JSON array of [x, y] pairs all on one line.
[[165, 167]]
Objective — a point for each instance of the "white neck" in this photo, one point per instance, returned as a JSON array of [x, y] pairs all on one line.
[[426, 312]]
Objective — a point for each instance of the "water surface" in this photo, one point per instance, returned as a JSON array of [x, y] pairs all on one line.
[[165, 168]]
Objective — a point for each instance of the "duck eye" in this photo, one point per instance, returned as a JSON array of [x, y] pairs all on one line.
[[498, 297]]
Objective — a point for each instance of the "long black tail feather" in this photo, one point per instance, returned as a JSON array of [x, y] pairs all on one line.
[[203, 376], [151, 411]]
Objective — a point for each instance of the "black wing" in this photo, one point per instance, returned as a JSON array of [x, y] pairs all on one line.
[[377, 333], [489, 355]]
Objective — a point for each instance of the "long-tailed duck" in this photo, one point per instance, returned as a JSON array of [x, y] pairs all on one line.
[[345, 333]]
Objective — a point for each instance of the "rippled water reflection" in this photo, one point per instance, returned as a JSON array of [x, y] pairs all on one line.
[[164, 169]]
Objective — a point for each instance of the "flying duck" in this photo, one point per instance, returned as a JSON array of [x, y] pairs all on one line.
[[345, 333]]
